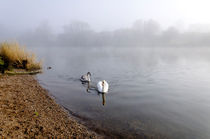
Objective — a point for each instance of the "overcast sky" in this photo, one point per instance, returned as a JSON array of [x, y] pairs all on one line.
[[102, 14]]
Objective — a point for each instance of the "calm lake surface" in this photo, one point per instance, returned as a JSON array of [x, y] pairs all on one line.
[[161, 92]]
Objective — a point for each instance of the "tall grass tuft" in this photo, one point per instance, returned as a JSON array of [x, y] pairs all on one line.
[[18, 57]]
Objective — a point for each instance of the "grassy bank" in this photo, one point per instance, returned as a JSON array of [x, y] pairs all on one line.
[[13, 56], [26, 109]]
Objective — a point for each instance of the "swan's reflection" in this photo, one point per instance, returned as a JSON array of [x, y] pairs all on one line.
[[88, 87], [91, 88], [103, 99]]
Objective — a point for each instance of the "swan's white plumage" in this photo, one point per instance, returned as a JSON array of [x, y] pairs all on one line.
[[103, 88]]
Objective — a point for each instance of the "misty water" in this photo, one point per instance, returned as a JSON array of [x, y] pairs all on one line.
[[161, 92]]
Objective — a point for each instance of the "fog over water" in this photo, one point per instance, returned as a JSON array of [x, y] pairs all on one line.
[[154, 54], [159, 92]]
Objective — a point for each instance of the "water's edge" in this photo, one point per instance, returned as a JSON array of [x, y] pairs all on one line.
[[103, 132]]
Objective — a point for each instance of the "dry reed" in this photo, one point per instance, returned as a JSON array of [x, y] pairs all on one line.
[[16, 55]]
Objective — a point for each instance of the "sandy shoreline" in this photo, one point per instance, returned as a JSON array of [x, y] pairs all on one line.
[[27, 111]]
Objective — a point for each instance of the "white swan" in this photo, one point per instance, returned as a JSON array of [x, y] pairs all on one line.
[[86, 78], [103, 86]]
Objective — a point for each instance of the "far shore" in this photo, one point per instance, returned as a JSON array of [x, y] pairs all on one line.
[[27, 111]]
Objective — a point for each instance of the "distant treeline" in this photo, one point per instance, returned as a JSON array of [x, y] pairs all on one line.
[[142, 33]]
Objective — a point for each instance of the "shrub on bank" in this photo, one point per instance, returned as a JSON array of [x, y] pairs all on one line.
[[16, 56]]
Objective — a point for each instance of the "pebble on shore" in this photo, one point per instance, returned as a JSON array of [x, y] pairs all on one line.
[[27, 111]]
